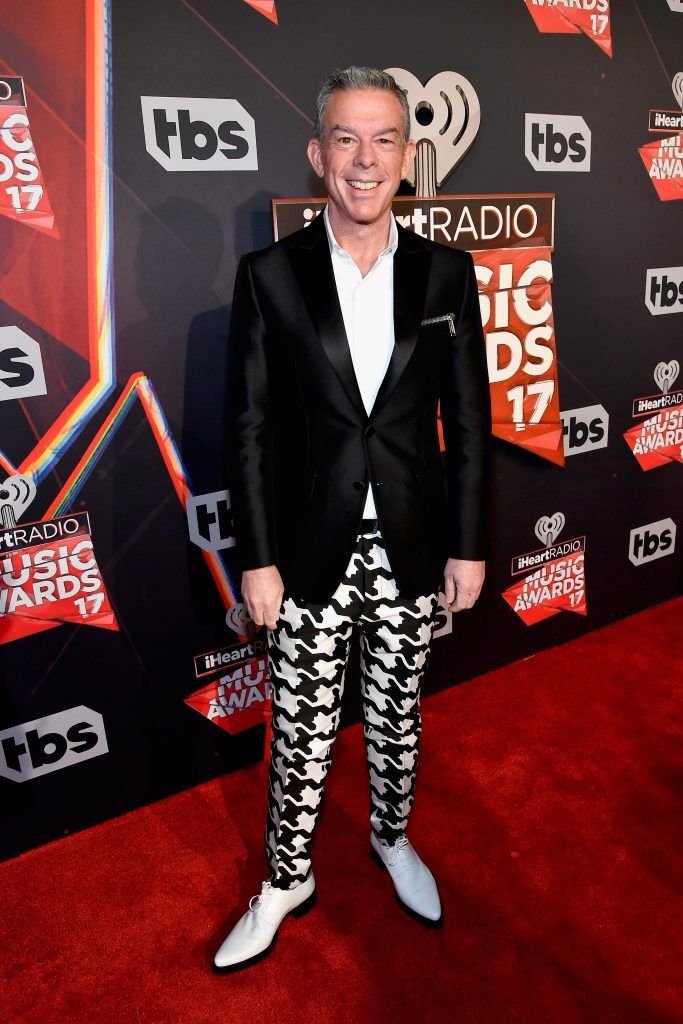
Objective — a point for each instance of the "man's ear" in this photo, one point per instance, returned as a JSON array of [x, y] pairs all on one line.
[[408, 157], [315, 157]]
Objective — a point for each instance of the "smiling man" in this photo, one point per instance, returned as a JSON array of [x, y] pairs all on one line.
[[345, 336]]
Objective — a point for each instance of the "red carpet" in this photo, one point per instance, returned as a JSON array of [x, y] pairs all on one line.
[[548, 806]]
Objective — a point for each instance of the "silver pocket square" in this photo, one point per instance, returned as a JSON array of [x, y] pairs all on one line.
[[450, 317]]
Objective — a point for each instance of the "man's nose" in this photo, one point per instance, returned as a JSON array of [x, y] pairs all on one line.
[[366, 155]]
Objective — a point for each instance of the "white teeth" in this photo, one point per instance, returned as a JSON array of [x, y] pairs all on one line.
[[364, 185]]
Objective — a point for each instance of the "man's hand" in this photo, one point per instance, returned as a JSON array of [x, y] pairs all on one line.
[[262, 591], [463, 581]]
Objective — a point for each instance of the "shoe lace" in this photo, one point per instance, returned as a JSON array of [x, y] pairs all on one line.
[[265, 890], [398, 848]]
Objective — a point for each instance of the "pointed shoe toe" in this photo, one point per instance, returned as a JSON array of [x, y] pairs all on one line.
[[255, 934], [414, 884], [424, 904]]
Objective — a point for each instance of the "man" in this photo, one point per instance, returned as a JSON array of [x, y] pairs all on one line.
[[344, 337]]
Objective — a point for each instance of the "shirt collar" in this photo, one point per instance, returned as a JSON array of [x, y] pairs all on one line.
[[336, 248]]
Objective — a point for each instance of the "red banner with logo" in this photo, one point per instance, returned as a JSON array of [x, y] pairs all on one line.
[[48, 576], [591, 17], [559, 585], [659, 440], [23, 196], [517, 312], [663, 161], [237, 699]]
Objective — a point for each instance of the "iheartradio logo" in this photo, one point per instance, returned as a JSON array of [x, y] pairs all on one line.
[[445, 117], [550, 579], [549, 528], [16, 494], [239, 620], [666, 375]]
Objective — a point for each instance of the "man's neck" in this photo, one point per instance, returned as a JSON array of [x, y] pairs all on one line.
[[363, 242]]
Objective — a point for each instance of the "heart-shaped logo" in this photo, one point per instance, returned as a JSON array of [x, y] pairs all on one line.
[[16, 494], [549, 528], [677, 86], [665, 374], [445, 117], [239, 620]]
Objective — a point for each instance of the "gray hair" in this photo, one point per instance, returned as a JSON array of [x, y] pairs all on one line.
[[359, 78]]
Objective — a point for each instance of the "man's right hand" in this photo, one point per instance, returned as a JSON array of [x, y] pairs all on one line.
[[262, 591]]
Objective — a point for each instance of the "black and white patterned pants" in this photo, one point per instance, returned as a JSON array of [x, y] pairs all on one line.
[[307, 653]]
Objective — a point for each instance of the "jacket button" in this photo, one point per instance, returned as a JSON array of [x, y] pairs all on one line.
[[369, 431], [359, 485]]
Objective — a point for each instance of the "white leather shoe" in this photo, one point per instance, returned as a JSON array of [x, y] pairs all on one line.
[[254, 935], [414, 883]]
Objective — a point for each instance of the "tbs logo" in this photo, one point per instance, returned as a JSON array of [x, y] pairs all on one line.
[[21, 365], [209, 520], [199, 134], [653, 541], [557, 142], [664, 290], [48, 744], [584, 429]]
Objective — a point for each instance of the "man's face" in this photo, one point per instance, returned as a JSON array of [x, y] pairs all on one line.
[[362, 157]]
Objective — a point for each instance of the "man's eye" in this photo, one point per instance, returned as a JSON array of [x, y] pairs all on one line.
[[386, 140]]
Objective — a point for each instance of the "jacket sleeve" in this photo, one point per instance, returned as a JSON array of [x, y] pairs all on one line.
[[466, 421], [249, 441]]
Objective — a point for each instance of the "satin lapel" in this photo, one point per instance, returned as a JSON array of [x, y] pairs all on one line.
[[312, 265], [411, 273]]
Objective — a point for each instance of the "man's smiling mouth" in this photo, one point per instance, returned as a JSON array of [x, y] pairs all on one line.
[[362, 186]]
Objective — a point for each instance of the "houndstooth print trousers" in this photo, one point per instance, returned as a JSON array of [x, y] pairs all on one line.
[[307, 654]]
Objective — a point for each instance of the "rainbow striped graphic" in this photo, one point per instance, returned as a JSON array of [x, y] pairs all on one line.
[[101, 381], [101, 337], [140, 387]]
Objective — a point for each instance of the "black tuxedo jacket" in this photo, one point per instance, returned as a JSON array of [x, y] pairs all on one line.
[[301, 447]]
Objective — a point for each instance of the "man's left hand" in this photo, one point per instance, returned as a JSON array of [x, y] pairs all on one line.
[[462, 583]]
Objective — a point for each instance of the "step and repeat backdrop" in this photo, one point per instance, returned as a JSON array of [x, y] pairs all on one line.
[[143, 149]]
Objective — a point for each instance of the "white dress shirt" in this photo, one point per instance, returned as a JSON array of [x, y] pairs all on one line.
[[367, 305]]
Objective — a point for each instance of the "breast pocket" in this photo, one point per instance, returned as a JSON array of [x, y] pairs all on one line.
[[448, 319]]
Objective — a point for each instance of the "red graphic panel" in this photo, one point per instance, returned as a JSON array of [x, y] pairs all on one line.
[[238, 699], [517, 314], [595, 23], [50, 576], [45, 274], [264, 7], [23, 195], [659, 440], [558, 586], [663, 161]]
